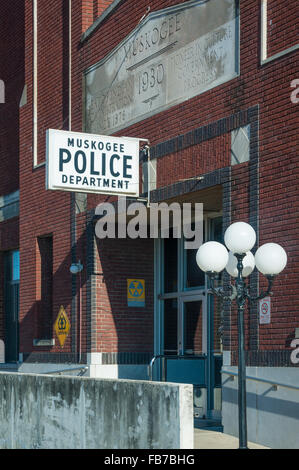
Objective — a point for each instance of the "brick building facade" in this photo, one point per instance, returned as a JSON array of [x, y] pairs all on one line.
[[230, 144]]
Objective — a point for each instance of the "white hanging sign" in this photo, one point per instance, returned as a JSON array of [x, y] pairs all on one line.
[[90, 163]]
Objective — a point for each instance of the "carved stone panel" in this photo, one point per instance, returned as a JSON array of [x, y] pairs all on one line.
[[173, 55]]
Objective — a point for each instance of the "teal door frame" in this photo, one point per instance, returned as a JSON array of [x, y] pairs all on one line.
[[184, 295], [11, 305]]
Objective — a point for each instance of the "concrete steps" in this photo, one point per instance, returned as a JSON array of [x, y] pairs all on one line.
[[9, 367], [208, 424]]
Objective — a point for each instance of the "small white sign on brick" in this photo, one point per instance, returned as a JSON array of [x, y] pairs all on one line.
[[265, 310]]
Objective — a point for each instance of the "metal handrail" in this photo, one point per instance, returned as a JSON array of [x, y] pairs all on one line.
[[165, 356], [274, 384], [84, 368], [151, 364]]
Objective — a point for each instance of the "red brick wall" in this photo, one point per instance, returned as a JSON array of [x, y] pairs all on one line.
[[123, 328], [52, 70], [44, 287], [49, 212], [88, 16], [268, 86], [12, 74], [43, 213], [91, 9], [101, 5], [282, 25], [196, 160]]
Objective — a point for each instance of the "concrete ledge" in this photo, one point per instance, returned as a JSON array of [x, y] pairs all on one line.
[[60, 412]]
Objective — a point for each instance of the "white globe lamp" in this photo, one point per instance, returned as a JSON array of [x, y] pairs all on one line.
[[248, 264], [239, 237], [270, 259], [212, 257]]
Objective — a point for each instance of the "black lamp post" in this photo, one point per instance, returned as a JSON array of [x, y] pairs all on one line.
[[270, 259]]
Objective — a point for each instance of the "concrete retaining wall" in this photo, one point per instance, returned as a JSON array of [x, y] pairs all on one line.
[[59, 412], [272, 416]]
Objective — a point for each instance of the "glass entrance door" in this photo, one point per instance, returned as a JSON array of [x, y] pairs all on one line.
[[194, 327], [185, 345], [187, 322]]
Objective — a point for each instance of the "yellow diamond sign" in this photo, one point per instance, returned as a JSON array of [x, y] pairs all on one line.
[[62, 326]]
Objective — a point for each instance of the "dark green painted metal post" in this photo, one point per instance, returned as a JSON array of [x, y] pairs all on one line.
[[241, 299]]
